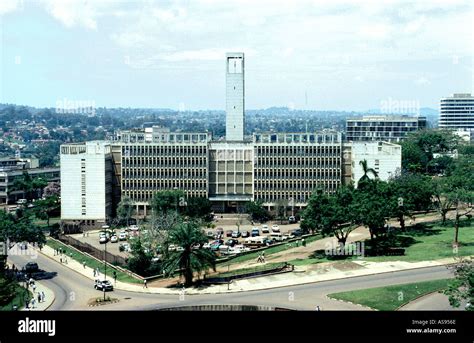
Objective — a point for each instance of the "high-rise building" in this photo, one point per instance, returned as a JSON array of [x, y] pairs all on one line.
[[235, 96], [457, 112], [86, 183], [382, 127]]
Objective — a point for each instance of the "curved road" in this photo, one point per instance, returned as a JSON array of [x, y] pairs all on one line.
[[73, 290]]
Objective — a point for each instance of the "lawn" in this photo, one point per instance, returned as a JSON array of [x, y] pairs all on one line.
[[268, 251], [421, 243], [433, 242], [18, 300], [389, 298], [44, 223], [90, 262]]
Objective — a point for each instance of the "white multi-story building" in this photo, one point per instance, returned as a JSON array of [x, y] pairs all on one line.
[[86, 183], [385, 158], [457, 112], [235, 96]]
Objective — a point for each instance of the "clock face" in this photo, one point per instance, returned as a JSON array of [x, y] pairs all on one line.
[[235, 65]]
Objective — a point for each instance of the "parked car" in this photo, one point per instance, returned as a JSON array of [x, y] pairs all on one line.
[[125, 247], [268, 241], [206, 245], [113, 239], [215, 246], [231, 242], [245, 234], [103, 285], [220, 231], [276, 236], [228, 233], [255, 232], [265, 229], [103, 240], [236, 234], [122, 236], [31, 267], [210, 234], [291, 219], [275, 228], [297, 232], [21, 201]]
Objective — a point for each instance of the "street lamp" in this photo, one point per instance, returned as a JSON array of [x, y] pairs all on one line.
[[105, 228], [176, 193]]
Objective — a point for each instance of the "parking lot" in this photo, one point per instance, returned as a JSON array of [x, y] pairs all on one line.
[[92, 238], [220, 232]]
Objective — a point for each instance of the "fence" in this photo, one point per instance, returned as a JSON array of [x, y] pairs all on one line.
[[91, 250], [283, 268]]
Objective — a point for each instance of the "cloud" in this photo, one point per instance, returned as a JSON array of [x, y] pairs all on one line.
[[7, 6]]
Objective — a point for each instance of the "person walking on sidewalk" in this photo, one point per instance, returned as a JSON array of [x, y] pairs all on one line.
[[144, 284], [84, 265], [43, 296]]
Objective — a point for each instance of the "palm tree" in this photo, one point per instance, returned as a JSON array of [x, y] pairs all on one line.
[[367, 171], [189, 259]]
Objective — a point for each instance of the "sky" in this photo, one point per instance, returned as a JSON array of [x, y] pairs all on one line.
[[304, 54]]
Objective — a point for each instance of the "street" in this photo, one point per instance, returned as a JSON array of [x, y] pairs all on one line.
[[73, 290]]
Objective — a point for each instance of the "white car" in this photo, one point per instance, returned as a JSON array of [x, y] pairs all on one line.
[[206, 245], [275, 228], [126, 247], [103, 240], [265, 229], [113, 239], [122, 236]]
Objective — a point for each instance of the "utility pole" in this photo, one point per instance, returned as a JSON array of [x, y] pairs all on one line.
[[105, 227]]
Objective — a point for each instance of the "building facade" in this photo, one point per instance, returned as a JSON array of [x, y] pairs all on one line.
[[12, 169], [385, 158], [382, 128], [457, 113], [86, 183]]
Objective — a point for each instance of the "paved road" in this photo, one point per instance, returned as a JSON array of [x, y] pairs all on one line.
[[432, 302], [74, 290]]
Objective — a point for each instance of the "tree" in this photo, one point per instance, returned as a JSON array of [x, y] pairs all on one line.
[[45, 208], [462, 287], [171, 200], [366, 170], [281, 206], [141, 260], [188, 259], [419, 147], [440, 187], [371, 207], [30, 186], [461, 191], [198, 208], [332, 214], [53, 188], [407, 193], [257, 211], [125, 211]]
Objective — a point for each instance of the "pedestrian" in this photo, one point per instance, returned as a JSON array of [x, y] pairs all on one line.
[[144, 284], [318, 308], [33, 287], [94, 272], [43, 296], [39, 297], [60, 260], [303, 242], [33, 303], [84, 265]]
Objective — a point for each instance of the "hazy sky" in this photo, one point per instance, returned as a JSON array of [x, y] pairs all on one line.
[[345, 55]]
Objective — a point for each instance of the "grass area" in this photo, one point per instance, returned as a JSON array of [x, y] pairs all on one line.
[[90, 262], [423, 242], [432, 242], [18, 300], [249, 270], [268, 251], [389, 298]]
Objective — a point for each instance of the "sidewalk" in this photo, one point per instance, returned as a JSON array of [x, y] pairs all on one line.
[[324, 272], [49, 298]]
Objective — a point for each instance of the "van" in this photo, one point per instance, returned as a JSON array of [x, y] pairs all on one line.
[[257, 241], [276, 236]]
